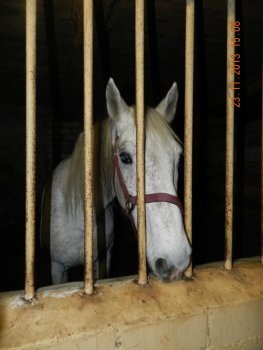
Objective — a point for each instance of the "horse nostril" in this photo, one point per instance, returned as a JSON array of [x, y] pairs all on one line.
[[161, 267], [165, 272]]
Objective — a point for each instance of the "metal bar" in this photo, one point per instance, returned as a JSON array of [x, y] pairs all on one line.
[[88, 143], [229, 137], [30, 146], [140, 138], [188, 120]]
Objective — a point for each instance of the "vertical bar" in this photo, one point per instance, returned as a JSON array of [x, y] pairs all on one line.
[[140, 139], [30, 145], [188, 120], [229, 137], [88, 143]]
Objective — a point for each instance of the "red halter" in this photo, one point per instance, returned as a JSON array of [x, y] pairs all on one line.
[[131, 201]]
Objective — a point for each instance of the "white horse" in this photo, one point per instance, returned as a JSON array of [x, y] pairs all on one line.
[[168, 249]]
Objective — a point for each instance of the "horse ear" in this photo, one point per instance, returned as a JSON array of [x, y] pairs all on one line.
[[167, 106], [116, 105]]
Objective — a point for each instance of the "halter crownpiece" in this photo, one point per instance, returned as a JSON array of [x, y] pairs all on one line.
[[131, 201]]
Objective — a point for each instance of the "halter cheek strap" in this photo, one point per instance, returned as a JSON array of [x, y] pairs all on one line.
[[131, 201]]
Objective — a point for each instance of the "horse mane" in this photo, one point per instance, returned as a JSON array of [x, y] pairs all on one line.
[[75, 180], [106, 163], [156, 128]]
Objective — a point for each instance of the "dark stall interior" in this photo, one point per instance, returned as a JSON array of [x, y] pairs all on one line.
[[60, 114]]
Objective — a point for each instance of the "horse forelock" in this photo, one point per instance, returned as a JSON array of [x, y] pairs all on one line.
[[157, 127]]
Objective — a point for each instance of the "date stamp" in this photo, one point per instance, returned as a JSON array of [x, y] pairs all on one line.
[[235, 64]]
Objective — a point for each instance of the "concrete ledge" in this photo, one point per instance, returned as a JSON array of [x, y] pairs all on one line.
[[217, 310]]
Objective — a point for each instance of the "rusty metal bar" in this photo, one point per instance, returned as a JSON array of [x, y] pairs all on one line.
[[30, 146], [188, 120], [88, 143], [140, 139], [229, 137]]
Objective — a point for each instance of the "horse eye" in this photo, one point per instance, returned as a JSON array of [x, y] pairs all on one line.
[[125, 158]]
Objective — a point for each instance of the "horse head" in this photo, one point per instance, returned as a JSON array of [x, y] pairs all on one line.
[[168, 249]]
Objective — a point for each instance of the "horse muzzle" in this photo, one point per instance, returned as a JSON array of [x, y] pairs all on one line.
[[165, 272]]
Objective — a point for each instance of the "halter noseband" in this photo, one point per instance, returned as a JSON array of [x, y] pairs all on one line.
[[131, 201]]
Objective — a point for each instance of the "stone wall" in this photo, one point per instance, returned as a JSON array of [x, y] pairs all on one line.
[[217, 310]]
